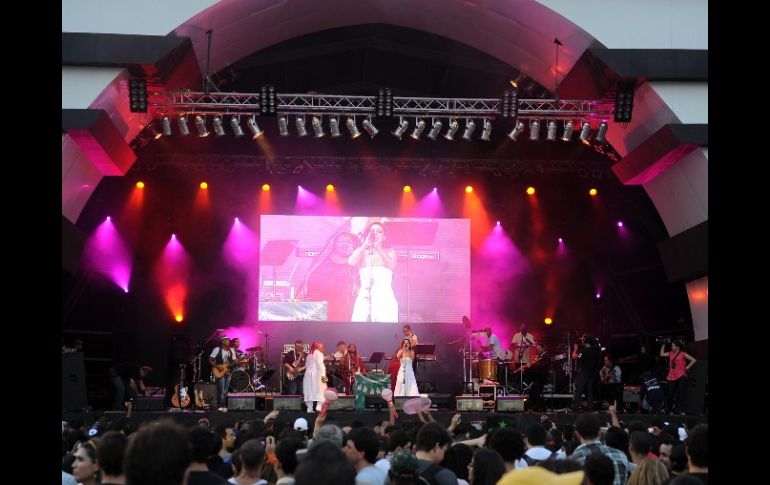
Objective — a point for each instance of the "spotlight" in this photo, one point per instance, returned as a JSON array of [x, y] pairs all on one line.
[[516, 131], [218, 128], [283, 125], [200, 125], [300, 122], [585, 132], [266, 187], [434, 130], [568, 131], [204, 185], [137, 95], [183, 129], [330, 188], [487, 131], [592, 192], [620, 223], [450, 132], [534, 130], [235, 124], [551, 134], [334, 126], [548, 320], [531, 190], [352, 128], [468, 189], [166, 126], [407, 188], [140, 185], [419, 127], [256, 132], [561, 240], [318, 127], [469, 127], [401, 129], [370, 128], [601, 132]]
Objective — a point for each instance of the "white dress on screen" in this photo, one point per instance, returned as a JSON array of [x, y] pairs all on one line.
[[377, 286]]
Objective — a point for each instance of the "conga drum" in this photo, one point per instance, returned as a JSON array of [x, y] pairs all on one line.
[[488, 369]]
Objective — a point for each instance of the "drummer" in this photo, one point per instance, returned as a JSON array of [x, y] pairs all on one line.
[[522, 342], [493, 349], [238, 355]]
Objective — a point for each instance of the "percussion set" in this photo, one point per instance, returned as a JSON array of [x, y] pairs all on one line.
[[250, 371]]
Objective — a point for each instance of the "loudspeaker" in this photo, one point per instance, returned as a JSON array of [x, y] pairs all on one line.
[[488, 395], [441, 401], [148, 404], [510, 403], [241, 401], [343, 403], [696, 387], [469, 403], [73, 382], [631, 394], [287, 403], [400, 400]]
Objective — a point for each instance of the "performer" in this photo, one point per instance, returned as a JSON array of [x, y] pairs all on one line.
[[376, 301], [406, 382], [610, 376], [352, 364], [393, 367], [220, 359], [493, 344], [314, 384], [587, 356], [522, 344], [238, 355], [342, 350], [331, 279], [294, 368], [409, 334], [679, 362], [127, 379]]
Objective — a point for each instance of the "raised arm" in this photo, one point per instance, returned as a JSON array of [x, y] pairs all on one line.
[[663, 350]]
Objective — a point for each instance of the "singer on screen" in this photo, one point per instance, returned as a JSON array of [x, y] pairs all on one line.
[[375, 301]]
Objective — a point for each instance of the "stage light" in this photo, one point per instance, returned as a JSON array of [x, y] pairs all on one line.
[[370, 128], [435, 130], [352, 128], [487, 131], [498, 223], [601, 132], [567, 136], [407, 188], [266, 187], [318, 127], [561, 241], [548, 320], [237, 220], [179, 317], [334, 126], [330, 188], [204, 185], [200, 125], [218, 128], [166, 123], [137, 95], [283, 125], [585, 133], [624, 101], [184, 130], [155, 134], [534, 130], [453, 127], [470, 126], [300, 122], [235, 124], [256, 131], [592, 192], [403, 125], [468, 189], [551, 134], [516, 131], [598, 296], [140, 185], [531, 190], [419, 126], [620, 223]]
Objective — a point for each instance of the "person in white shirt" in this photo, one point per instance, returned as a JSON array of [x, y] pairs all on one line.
[[252, 460], [361, 451]]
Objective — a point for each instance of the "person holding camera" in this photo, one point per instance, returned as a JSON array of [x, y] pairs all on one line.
[[679, 362], [587, 357]]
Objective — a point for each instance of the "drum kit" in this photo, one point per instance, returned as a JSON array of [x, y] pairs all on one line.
[[250, 372]]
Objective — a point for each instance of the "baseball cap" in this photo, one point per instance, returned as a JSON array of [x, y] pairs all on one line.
[[300, 424], [536, 475]]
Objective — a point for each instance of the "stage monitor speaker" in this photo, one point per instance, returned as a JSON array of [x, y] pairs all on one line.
[[287, 403], [375, 402], [343, 403], [469, 403], [631, 394], [400, 400], [696, 387], [510, 403], [244, 401], [148, 404], [73, 382], [441, 401]]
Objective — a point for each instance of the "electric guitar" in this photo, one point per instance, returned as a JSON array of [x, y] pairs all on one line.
[[220, 370], [199, 402]]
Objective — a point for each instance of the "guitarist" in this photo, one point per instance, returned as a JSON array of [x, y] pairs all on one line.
[[294, 369], [220, 358]]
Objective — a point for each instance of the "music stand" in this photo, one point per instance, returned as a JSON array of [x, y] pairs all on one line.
[[376, 358], [410, 233], [274, 254]]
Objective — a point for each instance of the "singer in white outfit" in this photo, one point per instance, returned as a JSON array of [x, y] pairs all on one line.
[[314, 383], [376, 301], [406, 382]]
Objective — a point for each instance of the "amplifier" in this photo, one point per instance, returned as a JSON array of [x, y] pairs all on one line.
[[287, 403], [245, 401], [631, 394], [510, 403], [469, 403], [343, 403]]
